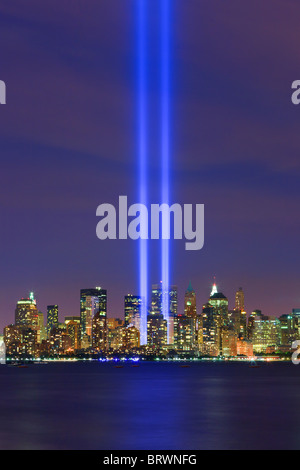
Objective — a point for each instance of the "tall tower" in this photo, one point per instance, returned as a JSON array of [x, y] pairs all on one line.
[[157, 306], [132, 310], [190, 312], [240, 308], [190, 302], [26, 313], [92, 301], [52, 318], [240, 300]]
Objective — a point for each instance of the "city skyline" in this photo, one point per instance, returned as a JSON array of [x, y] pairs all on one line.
[[216, 329], [234, 301], [68, 138]]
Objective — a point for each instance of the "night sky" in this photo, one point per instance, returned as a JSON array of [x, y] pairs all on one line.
[[68, 142]]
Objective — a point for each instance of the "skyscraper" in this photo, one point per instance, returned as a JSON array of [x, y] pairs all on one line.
[[190, 302], [240, 313], [156, 306], [184, 333], [219, 304], [132, 310], [42, 330], [240, 300], [209, 331], [26, 313], [52, 318], [190, 312], [99, 332], [92, 301], [156, 331], [73, 330]]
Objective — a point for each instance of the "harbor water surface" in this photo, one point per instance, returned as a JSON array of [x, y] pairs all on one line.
[[155, 406]]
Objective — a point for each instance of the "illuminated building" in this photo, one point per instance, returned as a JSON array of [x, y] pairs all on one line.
[[115, 338], [92, 301], [266, 333], [244, 347], [42, 330], [191, 312], [132, 310], [190, 302], [256, 314], [52, 318], [29, 341], [240, 300], [130, 338], [209, 331], [288, 329], [99, 332], [60, 341], [114, 323], [157, 305], [26, 313], [219, 303], [156, 331], [73, 330], [296, 315], [13, 339], [238, 321], [241, 319], [228, 342], [184, 333]]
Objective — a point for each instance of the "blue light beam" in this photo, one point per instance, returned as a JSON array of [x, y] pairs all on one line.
[[165, 152], [142, 150]]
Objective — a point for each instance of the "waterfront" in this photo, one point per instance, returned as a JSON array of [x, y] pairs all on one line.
[[151, 407]]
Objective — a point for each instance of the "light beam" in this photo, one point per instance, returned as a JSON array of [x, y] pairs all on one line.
[[165, 151], [142, 151]]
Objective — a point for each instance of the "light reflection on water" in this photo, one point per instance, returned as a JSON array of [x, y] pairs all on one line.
[[152, 407]]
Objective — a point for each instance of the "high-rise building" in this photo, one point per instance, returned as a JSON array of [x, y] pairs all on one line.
[[26, 313], [265, 334], [73, 330], [190, 311], [115, 336], [184, 333], [92, 301], [212, 321], [288, 329], [219, 303], [99, 332], [240, 300], [52, 318], [130, 338], [156, 331], [42, 330], [209, 331], [13, 339], [132, 310], [60, 341], [156, 306], [256, 314], [190, 302], [240, 316], [29, 341], [228, 342]]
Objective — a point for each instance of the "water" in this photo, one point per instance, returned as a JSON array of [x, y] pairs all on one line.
[[151, 407]]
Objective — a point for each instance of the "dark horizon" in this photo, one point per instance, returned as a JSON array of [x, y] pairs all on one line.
[[68, 142]]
